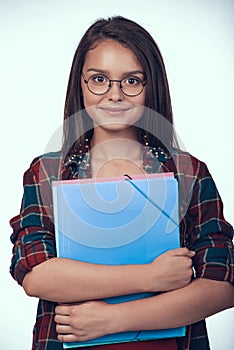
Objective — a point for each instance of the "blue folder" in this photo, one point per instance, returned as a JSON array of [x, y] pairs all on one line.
[[118, 221]]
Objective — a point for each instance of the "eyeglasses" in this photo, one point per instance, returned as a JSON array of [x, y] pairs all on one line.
[[99, 84]]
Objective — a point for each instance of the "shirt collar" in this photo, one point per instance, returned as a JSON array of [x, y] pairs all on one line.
[[153, 158]]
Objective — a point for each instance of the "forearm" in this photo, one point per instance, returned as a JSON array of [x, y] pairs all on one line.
[[65, 280], [198, 300]]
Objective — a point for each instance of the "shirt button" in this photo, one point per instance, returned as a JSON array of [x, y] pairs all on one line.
[[229, 245]]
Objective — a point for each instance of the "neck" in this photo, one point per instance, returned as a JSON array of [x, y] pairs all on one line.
[[108, 145]]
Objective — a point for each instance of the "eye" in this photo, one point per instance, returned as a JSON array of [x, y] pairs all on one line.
[[132, 81], [98, 79]]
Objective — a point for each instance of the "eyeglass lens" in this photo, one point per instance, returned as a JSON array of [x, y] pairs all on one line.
[[100, 84]]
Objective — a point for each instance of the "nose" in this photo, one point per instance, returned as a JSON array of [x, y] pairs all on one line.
[[115, 93]]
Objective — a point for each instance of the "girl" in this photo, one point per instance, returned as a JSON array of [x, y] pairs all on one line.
[[118, 116]]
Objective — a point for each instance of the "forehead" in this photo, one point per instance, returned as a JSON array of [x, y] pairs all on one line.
[[111, 56]]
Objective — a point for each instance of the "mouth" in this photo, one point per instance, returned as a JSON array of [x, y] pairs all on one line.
[[114, 110]]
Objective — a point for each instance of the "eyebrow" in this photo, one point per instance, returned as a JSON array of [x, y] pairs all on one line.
[[108, 73]]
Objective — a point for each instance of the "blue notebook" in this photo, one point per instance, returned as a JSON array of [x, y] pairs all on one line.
[[118, 221]]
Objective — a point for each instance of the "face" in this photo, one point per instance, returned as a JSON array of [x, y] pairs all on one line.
[[113, 110]]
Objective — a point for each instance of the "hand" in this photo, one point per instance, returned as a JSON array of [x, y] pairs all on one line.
[[172, 270], [83, 321]]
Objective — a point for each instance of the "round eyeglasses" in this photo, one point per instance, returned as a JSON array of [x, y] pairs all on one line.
[[99, 84]]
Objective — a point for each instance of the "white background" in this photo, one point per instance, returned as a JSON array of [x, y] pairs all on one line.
[[37, 43]]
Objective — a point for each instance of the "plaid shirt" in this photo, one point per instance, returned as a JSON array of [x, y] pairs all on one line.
[[202, 228]]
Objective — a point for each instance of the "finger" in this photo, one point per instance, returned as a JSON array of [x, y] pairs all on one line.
[[191, 253], [186, 262], [62, 310], [63, 329], [183, 252], [68, 338], [190, 263], [61, 319]]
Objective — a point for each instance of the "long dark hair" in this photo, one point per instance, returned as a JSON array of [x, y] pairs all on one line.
[[78, 126]]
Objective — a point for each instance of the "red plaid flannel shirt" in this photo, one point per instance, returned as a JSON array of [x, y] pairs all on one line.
[[202, 227]]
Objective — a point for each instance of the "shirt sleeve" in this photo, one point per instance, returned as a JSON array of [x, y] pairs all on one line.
[[33, 229], [210, 235]]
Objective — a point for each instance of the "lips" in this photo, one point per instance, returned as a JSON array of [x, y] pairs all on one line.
[[114, 110]]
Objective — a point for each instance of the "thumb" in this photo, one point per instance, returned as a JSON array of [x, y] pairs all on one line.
[[184, 252]]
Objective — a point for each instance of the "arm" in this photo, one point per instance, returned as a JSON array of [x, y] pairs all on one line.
[[65, 280], [207, 232], [196, 301], [181, 307], [35, 266]]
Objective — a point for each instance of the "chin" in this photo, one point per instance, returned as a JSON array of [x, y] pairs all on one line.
[[115, 127]]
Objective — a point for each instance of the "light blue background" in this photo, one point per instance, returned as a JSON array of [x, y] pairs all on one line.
[[37, 43]]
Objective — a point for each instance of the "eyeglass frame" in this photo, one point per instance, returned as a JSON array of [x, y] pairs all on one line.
[[110, 85]]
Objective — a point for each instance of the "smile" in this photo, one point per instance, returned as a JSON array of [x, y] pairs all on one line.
[[114, 110]]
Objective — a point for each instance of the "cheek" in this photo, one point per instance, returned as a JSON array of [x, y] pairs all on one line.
[[137, 114], [143, 97], [84, 95], [90, 99], [87, 99]]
